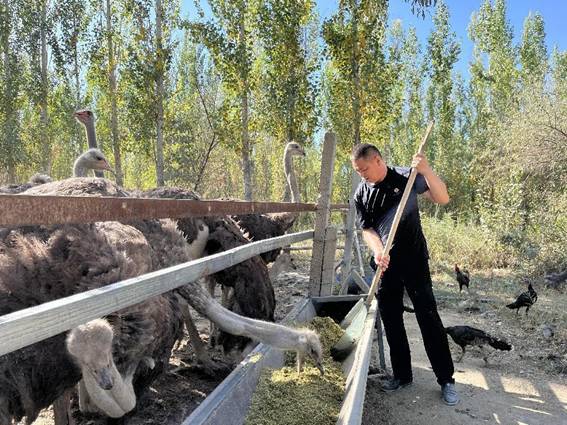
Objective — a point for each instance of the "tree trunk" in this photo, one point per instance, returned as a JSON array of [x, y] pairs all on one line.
[[247, 165], [355, 69], [44, 118], [160, 95], [112, 94], [10, 116]]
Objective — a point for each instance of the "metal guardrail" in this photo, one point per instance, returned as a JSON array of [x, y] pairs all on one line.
[[26, 210]]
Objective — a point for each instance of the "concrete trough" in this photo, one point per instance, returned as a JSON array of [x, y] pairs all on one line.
[[228, 404]]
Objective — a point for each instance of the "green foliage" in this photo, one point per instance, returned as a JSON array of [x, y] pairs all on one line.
[[533, 53], [452, 242], [228, 90]]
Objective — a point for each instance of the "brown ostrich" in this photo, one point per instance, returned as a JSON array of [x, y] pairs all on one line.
[[264, 226], [41, 264], [249, 282]]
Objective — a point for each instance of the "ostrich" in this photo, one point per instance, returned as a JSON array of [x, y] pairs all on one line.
[[264, 226], [92, 159], [32, 378], [36, 267], [249, 280], [167, 244], [304, 341], [40, 265], [155, 245], [34, 180], [87, 119], [283, 264]]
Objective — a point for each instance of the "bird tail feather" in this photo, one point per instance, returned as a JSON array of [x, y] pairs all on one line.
[[499, 344]]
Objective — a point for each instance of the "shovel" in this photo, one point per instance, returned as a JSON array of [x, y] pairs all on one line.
[[353, 326]]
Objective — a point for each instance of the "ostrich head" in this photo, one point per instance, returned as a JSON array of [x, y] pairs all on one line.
[[93, 159], [84, 116], [91, 346], [294, 148], [310, 344]]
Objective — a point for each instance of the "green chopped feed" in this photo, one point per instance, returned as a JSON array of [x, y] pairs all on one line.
[[285, 397]]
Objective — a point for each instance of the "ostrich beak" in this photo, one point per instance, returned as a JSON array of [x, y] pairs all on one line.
[[104, 379], [106, 167]]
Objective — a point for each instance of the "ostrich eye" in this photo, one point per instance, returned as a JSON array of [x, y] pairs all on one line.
[[98, 158]]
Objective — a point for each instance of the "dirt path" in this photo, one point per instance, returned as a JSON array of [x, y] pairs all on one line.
[[502, 393]]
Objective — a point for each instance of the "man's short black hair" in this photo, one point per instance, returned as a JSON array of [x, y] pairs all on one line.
[[364, 150]]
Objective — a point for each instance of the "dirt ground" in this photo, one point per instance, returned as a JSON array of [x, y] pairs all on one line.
[[524, 386], [507, 391]]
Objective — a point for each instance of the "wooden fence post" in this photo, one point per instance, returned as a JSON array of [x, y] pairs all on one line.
[[328, 267], [317, 276], [349, 234]]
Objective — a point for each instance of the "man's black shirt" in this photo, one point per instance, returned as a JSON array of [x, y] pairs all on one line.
[[376, 206]]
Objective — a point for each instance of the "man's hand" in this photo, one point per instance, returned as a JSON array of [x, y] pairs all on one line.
[[382, 261], [421, 164], [437, 189]]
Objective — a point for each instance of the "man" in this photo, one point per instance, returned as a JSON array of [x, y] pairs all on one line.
[[376, 200]]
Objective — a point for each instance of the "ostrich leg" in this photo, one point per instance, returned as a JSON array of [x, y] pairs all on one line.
[[462, 355], [62, 409], [210, 367]]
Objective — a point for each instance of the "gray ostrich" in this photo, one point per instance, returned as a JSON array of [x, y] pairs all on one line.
[[34, 180], [92, 159], [87, 119], [265, 226], [39, 265]]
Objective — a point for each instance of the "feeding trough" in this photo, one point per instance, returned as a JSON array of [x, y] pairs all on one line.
[[228, 404]]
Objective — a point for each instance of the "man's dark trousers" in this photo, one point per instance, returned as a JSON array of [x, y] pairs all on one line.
[[412, 272]]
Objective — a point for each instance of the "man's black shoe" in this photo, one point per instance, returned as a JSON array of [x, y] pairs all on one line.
[[394, 384]]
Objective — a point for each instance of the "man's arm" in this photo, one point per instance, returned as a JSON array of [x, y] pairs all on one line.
[[437, 190], [375, 244]]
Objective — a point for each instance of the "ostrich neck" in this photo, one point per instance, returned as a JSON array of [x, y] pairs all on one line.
[[91, 141], [78, 169], [115, 402], [272, 334], [290, 177], [91, 134]]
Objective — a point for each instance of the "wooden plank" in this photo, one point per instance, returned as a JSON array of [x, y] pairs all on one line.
[[34, 324], [357, 363], [339, 207], [322, 214], [360, 281], [328, 267], [20, 210], [309, 248]]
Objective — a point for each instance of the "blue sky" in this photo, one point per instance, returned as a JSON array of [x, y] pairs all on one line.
[[554, 13]]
